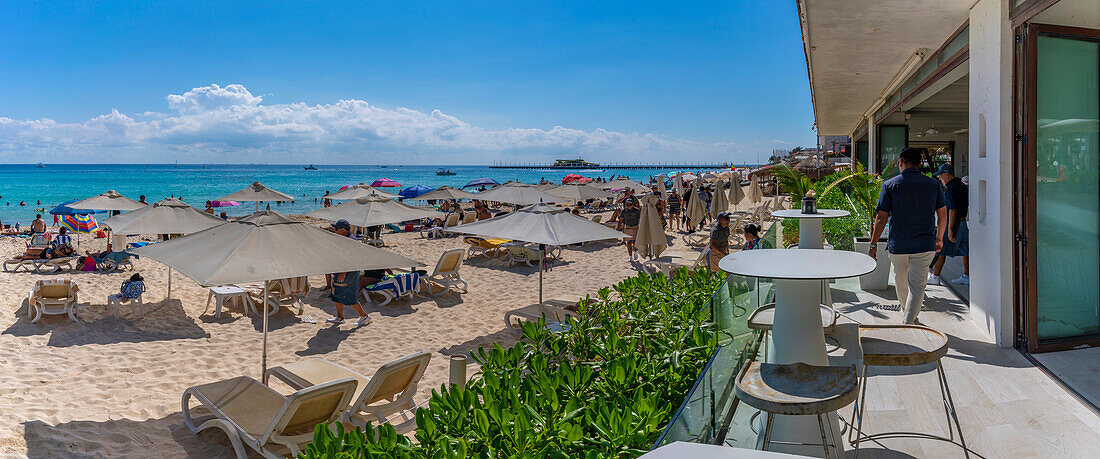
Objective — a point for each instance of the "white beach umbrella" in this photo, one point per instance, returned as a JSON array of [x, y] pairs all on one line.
[[541, 224], [523, 195], [170, 216], [661, 186], [719, 203], [755, 194], [266, 246], [575, 192], [445, 192], [373, 211], [736, 192], [257, 192], [361, 190], [110, 200], [696, 209], [624, 183], [651, 239]]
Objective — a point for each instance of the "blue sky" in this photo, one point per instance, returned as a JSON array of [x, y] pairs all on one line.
[[428, 82]]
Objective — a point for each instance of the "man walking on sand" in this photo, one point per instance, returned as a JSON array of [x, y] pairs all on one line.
[[915, 207], [345, 286]]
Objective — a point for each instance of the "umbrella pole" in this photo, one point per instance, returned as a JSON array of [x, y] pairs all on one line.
[[542, 256], [170, 285], [263, 311]]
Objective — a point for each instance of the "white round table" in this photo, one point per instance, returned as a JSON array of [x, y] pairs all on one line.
[[809, 225], [796, 333]]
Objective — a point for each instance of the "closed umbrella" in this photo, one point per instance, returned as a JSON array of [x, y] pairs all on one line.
[[736, 192], [576, 191], [523, 195], [755, 194], [678, 184], [256, 192], [622, 183], [719, 203], [414, 191], [267, 246], [445, 192], [651, 240], [385, 183], [373, 211], [483, 181], [541, 224], [110, 200], [696, 210], [661, 186], [170, 216], [361, 190]]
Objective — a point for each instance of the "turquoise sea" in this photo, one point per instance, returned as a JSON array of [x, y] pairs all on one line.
[[46, 187]]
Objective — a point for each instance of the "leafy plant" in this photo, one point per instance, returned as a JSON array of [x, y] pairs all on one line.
[[604, 387], [792, 180], [856, 191]]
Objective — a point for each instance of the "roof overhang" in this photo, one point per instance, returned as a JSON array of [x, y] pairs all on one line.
[[858, 50]]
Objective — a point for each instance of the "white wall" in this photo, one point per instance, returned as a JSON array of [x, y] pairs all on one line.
[[990, 166]]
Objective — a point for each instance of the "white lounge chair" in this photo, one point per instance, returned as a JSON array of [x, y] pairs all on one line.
[[282, 292], [52, 296], [481, 246], [554, 311], [384, 398], [529, 255], [253, 414], [41, 265], [446, 272], [469, 217], [392, 288]]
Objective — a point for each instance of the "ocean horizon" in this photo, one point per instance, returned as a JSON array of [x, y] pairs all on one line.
[[42, 188]]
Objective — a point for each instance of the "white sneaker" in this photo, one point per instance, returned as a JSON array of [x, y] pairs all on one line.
[[933, 279], [363, 320], [964, 280], [335, 320]]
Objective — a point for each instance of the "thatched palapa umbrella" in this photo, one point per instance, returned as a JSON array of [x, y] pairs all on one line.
[[815, 167]]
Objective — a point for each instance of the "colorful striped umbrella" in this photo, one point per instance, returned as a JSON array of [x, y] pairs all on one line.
[[385, 182], [80, 223]]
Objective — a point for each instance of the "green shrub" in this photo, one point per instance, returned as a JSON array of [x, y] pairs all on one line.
[[604, 387]]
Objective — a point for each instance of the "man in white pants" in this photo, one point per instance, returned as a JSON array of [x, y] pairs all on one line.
[[914, 206]]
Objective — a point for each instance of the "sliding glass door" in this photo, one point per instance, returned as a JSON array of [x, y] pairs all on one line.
[[1064, 149]]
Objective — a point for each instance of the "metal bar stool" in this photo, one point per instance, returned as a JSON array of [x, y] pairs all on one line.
[[797, 389], [902, 346]]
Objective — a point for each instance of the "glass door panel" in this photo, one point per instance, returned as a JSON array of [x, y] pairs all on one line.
[[892, 140], [1067, 190]]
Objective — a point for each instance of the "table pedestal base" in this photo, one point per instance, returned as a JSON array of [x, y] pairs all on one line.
[[810, 233], [797, 336]]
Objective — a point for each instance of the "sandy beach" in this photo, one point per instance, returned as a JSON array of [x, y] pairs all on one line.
[[111, 388]]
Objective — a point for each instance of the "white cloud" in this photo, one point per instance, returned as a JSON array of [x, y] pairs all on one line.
[[230, 124]]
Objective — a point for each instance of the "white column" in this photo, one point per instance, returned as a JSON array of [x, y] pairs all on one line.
[[990, 164], [872, 146]]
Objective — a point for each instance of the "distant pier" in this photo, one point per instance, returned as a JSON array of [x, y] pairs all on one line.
[[699, 166]]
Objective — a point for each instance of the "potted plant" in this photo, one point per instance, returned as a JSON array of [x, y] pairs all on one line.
[[862, 193]]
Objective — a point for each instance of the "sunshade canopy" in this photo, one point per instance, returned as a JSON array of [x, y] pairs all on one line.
[[576, 191], [110, 200], [79, 223], [415, 191], [257, 192], [361, 190], [373, 211], [624, 183], [64, 209], [483, 181], [170, 216], [540, 224], [523, 195], [446, 192], [385, 183], [266, 246]]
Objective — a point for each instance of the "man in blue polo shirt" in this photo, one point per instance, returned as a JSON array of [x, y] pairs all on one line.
[[914, 206]]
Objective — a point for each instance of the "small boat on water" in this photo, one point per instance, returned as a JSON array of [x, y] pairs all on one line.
[[39, 165], [444, 172], [310, 168]]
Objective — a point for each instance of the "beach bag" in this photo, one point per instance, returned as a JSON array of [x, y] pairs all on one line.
[[89, 264], [131, 289]]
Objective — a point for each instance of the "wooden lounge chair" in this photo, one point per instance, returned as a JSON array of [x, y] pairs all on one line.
[[52, 296], [384, 398], [490, 247], [446, 272], [253, 414]]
